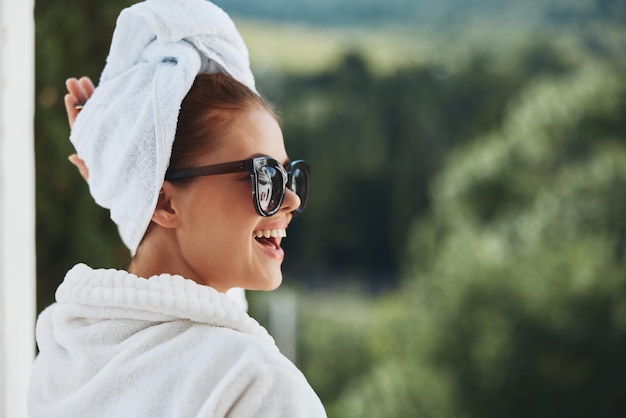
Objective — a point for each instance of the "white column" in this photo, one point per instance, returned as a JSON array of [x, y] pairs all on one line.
[[17, 204], [283, 321]]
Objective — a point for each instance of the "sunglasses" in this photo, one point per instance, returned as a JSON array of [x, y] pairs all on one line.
[[269, 180]]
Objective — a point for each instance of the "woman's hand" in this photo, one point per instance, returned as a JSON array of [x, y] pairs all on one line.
[[79, 90]]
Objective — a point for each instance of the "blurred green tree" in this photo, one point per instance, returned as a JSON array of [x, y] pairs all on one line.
[[517, 278], [375, 142]]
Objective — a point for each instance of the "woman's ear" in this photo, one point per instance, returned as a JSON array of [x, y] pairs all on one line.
[[164, 214]]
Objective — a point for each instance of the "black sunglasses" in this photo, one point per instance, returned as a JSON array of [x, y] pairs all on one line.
[[269, 180]]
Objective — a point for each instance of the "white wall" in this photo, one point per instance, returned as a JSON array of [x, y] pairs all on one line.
[[17, 204]]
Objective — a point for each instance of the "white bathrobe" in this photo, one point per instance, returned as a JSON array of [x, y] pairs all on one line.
[[115, 345]]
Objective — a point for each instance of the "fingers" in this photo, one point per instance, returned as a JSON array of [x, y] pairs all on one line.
[[70, 108], [79, 90], [80, 164], [87, 85]]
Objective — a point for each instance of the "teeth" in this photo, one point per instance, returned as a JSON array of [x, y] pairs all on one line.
[[270, 233]]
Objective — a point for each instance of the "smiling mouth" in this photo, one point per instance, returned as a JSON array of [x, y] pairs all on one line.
[[270, 237]]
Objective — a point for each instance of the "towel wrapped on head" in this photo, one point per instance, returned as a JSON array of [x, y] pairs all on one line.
[[125, 132]]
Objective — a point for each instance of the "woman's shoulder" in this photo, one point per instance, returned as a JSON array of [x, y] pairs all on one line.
[[237, 372], [257, 380]]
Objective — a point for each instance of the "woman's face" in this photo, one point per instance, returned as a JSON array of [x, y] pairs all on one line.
[[218, 224]]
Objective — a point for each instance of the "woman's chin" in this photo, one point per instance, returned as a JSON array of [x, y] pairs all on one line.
[[271, 282]]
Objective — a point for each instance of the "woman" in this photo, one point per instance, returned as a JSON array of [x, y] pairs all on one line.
[[163, 338]]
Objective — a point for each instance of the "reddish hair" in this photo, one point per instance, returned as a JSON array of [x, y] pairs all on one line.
[[211, 105]]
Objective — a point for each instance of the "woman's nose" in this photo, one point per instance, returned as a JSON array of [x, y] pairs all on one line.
[[291, 201]]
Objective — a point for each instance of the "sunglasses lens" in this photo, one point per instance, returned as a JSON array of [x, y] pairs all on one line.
[[270, 188]]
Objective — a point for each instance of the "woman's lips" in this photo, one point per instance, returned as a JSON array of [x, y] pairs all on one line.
[[269, 239]]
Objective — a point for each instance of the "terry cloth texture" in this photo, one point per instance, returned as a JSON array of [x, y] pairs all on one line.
[[115, 345], [124, 133]]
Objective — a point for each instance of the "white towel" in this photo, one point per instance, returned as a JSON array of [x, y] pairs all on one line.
[[126, 129]]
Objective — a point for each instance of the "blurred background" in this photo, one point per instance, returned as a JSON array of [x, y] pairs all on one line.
[[463, 254]]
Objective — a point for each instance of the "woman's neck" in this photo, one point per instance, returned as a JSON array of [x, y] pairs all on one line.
[[159, 253], [156, 255]]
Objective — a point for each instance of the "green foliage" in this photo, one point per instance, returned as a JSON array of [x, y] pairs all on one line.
[[374, 142], [323, 335], [515, 301]]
